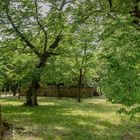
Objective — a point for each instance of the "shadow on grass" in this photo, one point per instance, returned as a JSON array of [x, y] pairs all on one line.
[[65, 119]]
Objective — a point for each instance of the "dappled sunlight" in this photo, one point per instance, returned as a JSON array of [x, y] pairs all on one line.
[[27, 137], [57, 130], [21, 113], [65, 119], [48, 103], [12, 103]]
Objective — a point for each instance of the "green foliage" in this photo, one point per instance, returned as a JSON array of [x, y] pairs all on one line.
[[121, 53]]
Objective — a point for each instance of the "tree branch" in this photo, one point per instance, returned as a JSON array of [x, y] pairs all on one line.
[[56, 42], [58, 38], [41, 26], [64, 2], [110, 3], [24, 39], [51, 53]]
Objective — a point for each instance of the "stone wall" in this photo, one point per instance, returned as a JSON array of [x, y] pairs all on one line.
[[65, 91]]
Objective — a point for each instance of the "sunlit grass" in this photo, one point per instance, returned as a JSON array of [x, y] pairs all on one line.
[[66, 119]]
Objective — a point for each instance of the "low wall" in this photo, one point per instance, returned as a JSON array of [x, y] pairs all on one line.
[[65, 91]]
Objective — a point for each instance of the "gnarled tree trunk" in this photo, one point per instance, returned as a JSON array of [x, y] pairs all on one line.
[[31, 94]]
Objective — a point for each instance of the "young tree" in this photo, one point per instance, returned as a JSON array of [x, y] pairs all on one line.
[[80, 57]]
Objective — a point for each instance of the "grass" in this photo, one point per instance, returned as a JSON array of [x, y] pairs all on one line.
[[66, 119]]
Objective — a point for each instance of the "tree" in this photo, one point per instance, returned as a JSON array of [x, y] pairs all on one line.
[[41, 33], [120, 53], [46, 37], [80, 57]]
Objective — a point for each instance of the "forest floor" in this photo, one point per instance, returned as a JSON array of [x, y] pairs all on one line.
[[65, 119]]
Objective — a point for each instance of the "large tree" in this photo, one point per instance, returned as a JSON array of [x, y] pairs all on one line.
[[40, 26], [41, 33]]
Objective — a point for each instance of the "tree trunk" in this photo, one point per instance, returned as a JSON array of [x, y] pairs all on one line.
[[100, 88], [79, 93], [79, 86], [19, 92], [14, 93], [31, 94], [58, 91]]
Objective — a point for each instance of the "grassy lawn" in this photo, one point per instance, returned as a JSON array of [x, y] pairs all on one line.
[[65, 119]]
